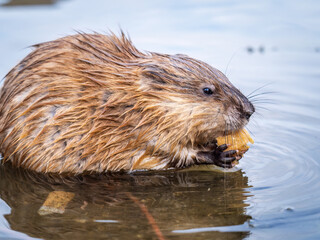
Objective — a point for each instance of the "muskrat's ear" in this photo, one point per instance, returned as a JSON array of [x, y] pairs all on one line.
[[154, 74]]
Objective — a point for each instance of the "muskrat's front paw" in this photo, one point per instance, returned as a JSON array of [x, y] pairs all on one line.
[[219, 156], [224, 158]]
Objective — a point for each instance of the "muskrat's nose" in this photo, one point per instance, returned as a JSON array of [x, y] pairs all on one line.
[[247, 115], [248, 110]]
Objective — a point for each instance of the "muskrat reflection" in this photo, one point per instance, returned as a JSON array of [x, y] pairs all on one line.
[[101, 207]]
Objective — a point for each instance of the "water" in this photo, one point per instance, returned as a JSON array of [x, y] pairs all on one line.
[[275, 192]]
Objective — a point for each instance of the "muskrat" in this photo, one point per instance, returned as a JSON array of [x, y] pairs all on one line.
[[95, 103]]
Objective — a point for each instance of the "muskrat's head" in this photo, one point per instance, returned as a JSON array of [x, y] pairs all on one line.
[[194, 95]]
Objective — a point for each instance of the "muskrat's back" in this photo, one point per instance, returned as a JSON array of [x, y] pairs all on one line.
[[91, 102]]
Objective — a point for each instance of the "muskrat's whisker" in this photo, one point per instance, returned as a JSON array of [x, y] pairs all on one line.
[[260, 94], [257, 107], [226, 130], [231, 123], [257, 89], [217, 115], [261, 105], [232, 57], [259, 114], [232, 134], [262, 100], [258, 100], [255, 123], [249, 132]]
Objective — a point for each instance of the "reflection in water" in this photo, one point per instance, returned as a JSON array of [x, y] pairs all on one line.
[[28, 2], [103, 206]]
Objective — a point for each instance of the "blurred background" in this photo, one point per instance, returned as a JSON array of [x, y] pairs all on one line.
[[269, 46], [211, 30]]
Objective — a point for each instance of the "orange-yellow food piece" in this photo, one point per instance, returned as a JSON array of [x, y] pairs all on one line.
[[237, 141]]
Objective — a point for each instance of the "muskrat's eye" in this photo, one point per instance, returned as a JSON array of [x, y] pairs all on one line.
[[207, 91]]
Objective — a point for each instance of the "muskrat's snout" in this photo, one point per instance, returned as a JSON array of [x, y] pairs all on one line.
[[248, 110]]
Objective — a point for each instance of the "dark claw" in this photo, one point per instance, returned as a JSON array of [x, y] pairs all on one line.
[[227, 159], [222, 147], [228, 153]]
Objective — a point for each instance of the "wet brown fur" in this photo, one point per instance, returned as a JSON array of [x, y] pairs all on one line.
[[92, 102]]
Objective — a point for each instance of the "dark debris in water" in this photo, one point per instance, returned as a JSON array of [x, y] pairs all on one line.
[[261, 49]]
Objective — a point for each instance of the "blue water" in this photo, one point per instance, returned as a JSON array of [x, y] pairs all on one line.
[[275, 194]]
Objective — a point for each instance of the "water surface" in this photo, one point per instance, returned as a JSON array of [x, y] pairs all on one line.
[[275, 191]]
